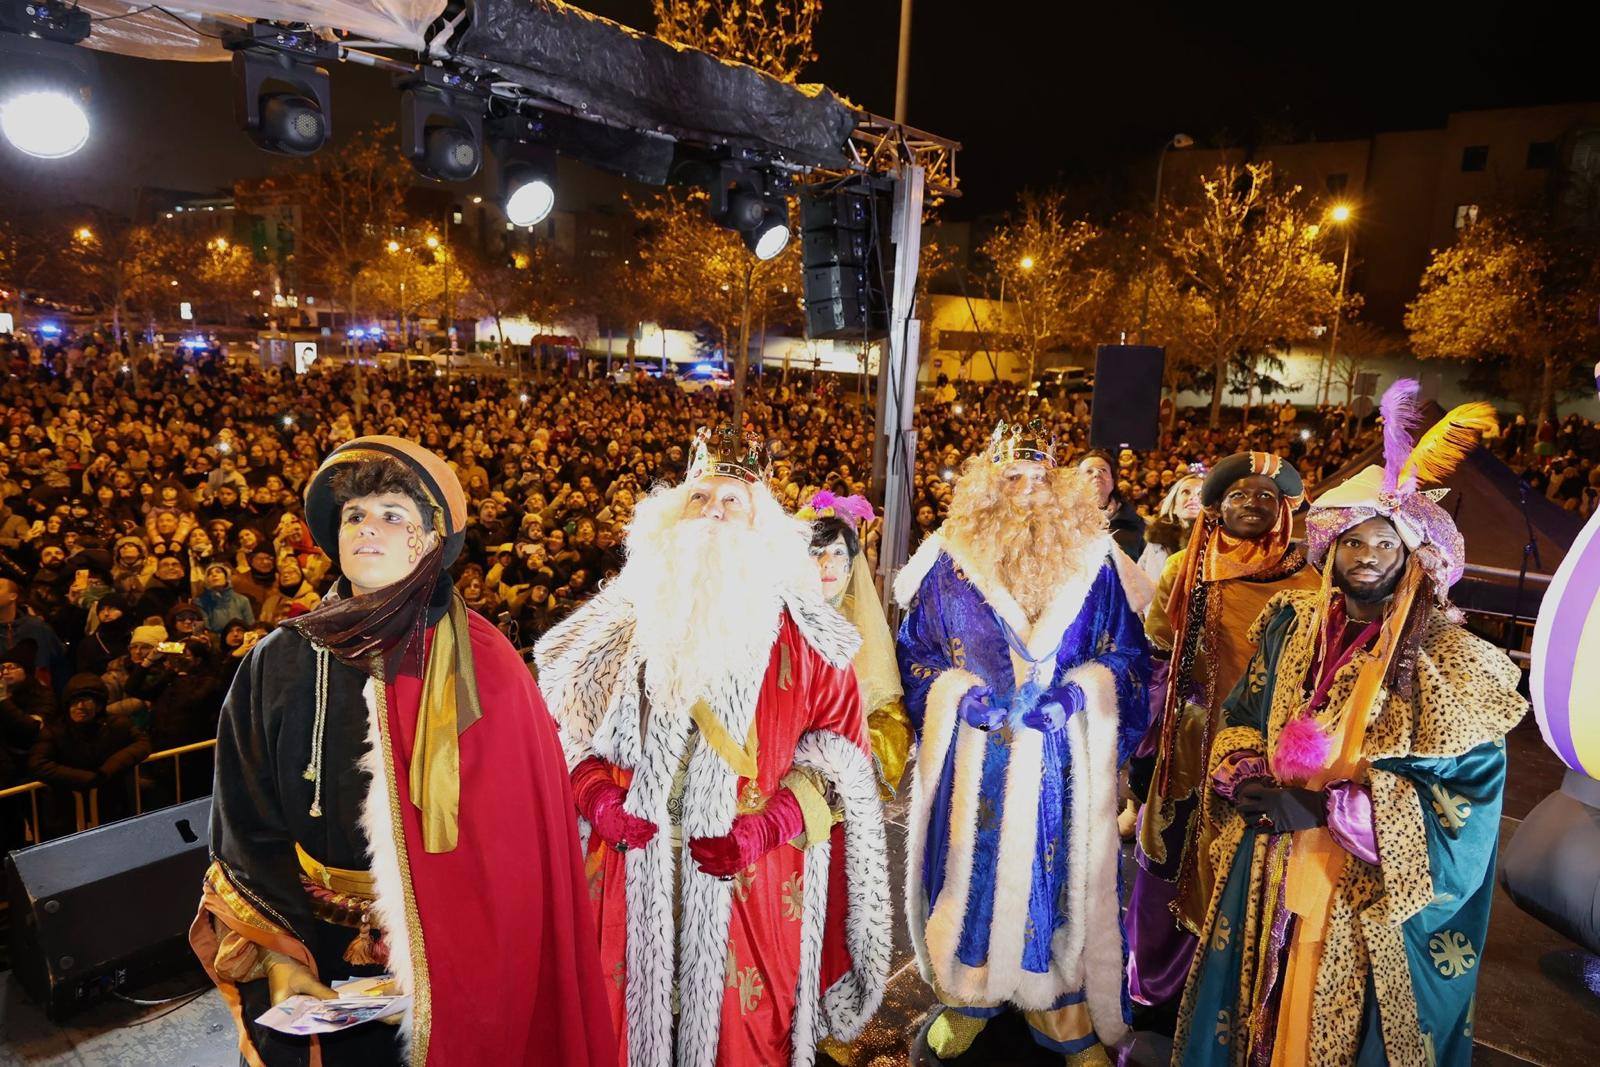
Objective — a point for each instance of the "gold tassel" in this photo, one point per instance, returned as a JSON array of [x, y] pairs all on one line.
[[1442, 448], [362, 951]]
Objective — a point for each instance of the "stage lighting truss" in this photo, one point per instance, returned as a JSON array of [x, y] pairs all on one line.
[[281, 93], [441, 123], [754, 204], [526, 165], [44, 78]]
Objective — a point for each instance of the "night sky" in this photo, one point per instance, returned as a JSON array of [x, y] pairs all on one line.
[[1037, 91]]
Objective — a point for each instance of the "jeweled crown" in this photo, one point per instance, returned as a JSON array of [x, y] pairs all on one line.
[[726, 453], [1013, 441]]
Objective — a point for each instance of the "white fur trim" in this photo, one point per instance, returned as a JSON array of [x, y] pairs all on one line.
[[378, 826], [1087, 949], [1137, 584], [909, 580], [851, 1001]]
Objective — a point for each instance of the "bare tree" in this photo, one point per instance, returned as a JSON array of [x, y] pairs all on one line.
[[774, 36], [1052, 284], [1251, 260], [352, 203], [702, 274]]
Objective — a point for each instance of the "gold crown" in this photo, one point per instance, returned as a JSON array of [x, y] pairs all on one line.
[[1013, 441], [725, 453]]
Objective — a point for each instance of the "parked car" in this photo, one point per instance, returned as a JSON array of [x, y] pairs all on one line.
[[704, 376], [1063, 381]]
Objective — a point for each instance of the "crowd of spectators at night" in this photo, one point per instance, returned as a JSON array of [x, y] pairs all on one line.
[[151, 526]]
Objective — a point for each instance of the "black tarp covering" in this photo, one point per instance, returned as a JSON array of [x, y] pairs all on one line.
[[608, 71]]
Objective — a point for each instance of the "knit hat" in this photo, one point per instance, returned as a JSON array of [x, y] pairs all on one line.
[[148, 635]]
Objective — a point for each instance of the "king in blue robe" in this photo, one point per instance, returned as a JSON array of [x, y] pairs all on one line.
[[1012, 880]]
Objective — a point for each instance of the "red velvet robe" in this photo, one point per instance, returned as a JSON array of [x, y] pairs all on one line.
[[500, 954], [801, 696]]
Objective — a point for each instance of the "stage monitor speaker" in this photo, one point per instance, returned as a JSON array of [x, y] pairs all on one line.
[[1125, 410], [107, 908]]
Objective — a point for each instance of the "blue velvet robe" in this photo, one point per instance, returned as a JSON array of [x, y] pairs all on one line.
[[998, 911]]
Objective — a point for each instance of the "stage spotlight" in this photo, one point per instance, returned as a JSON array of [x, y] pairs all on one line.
[[529, 198], [752, 203], [44, 79], [770, 236], [281, 95], [526, 169], [441, 123]]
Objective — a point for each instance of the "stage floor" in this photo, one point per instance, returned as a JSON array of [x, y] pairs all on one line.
[[1531, 1005]]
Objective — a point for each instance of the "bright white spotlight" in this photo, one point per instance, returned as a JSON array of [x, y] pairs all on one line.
[[530, 203], [771, 241], [46, 123]]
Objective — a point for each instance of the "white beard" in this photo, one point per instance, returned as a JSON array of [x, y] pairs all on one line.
[[706, 597]]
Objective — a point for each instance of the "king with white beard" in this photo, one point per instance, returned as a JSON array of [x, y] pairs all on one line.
[[724, 785]]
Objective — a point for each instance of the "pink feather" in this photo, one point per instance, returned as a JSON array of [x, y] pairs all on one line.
[[1301, 752], [1400, 417]]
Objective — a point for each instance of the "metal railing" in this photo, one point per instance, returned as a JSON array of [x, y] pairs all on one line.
[[86, 803]]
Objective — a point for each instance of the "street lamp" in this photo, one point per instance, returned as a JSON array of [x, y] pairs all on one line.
[[83, 233], [1177, 140], [394, 246], [432, 241], [1343, 216], [1026, 263]]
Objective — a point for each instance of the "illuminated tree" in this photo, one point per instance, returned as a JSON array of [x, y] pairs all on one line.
[[700, 274], [1514, 290], [351, 202], [124, 268], [222, 277], [773, 36], [1249, 257], [1054, 287]]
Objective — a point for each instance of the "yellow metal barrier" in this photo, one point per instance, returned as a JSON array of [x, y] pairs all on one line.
[[88, 816]]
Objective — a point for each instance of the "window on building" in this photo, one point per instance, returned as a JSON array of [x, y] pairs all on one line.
[[1541, 155], [1336, 183], [1466, 215], [1475, 157]]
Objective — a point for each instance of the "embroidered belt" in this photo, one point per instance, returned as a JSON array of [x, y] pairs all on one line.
[[345, 898], [335, 879]]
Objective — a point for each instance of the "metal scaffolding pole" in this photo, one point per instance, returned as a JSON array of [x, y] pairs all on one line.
[[894, 443]]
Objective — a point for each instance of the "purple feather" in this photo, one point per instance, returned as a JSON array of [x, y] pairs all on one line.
[[1400, 416]]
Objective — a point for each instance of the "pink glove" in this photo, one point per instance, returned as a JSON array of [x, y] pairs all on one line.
[[751, 837], [599, 799]]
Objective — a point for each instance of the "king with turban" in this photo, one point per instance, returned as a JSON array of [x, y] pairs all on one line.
[[390, 797], [1354, 791]]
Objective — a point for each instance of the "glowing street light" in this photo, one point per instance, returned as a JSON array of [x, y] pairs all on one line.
[[1340, 213], [394, 246], [432, 241], [83, 233], [1026, 263], [220, 244]]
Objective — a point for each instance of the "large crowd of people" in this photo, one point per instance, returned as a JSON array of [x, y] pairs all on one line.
[[152, 526]]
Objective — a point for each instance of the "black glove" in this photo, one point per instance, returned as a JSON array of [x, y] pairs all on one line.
[[1279, 809]]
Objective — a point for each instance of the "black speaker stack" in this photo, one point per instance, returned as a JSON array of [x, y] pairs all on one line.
[[109, 908], [1126, 409], [847, 261]]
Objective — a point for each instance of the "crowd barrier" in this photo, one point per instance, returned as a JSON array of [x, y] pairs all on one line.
[[86, 804]]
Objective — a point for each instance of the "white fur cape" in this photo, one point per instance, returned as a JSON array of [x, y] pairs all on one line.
[[589, 670], [1087, 950]]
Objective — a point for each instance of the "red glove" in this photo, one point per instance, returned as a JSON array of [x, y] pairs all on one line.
[[599, 799], [751, 837]]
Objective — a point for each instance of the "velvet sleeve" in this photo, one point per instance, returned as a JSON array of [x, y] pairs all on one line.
[[922, 647], [1124, 652], [249, 836]]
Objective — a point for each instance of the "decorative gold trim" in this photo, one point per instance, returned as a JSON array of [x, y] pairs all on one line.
[[421, 1000], [351, 883]]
